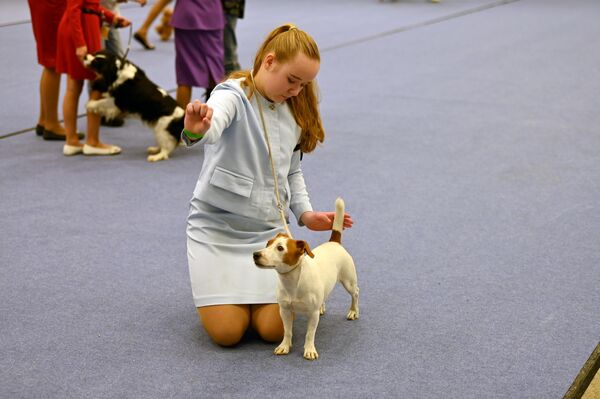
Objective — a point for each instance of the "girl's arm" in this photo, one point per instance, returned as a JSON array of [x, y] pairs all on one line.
[[300, 203], [204, 123]]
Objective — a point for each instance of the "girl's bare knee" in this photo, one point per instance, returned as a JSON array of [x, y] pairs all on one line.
[[266, 321], [225, 324]]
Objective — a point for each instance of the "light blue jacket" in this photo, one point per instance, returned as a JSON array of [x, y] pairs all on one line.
[[236, 175]]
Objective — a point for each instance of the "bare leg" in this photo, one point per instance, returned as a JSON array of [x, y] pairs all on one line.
[[225, 324], [50, 94], [70, 105], [184, 95], [266, 321], [42, 110], [142, 32], [93, 125]]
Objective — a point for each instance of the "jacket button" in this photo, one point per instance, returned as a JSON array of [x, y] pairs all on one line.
[[272, 106]]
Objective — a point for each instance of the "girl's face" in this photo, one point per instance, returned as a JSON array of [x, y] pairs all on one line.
[[284, 80]]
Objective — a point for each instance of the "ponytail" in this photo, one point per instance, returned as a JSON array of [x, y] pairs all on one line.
[[286, 41]]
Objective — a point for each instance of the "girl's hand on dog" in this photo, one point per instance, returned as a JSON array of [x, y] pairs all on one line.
[[321, 221], [81, 52], [197, 117]]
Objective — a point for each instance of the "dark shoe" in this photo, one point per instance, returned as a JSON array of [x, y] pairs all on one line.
[[51, 136], [114, 122], [143, 41], [39, 130]]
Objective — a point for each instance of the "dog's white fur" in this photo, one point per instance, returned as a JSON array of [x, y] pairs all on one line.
[[306, 279]]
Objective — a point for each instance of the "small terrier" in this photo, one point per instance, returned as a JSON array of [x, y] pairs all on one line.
[[307, 277]]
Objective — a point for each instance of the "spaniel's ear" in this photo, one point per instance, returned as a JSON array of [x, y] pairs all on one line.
[[304, 248]]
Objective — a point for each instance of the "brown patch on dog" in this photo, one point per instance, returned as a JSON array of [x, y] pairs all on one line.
[[272, 240], [336, 236], [295, 249]]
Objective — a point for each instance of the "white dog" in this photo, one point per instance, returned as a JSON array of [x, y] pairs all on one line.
[[306, 278]]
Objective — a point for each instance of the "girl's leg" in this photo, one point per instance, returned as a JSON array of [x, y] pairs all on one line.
[[266, 321], [42, 110], [50, 93], [70, 104], [141, 34], [225, 324], [184, 95], [93, 123]]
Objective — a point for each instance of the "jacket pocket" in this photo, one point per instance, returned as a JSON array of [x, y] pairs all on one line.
[[232, 182]]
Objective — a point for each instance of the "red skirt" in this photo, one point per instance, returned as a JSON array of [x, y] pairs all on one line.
[[45, 18]]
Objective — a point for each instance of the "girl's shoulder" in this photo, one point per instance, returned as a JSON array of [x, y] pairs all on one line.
[[232, 89]]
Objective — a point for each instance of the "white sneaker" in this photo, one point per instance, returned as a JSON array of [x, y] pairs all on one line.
[[109, 150]]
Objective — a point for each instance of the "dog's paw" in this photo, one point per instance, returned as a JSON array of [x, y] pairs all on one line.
[[322, 310], [352, 315], [282, 350], [311, 353], [161, 156], [153, 150], [93, 106]]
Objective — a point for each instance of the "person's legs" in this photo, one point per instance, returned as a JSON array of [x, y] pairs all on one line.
[[42, 110], [225, 324], [93, 133], [141, 35], [50, 93], [70, 104], [184, 95], [93, 123], [266, 321]]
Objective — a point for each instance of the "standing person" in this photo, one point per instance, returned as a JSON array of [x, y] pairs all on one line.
[[234, 10], [198, 46], [78, 34], [45, 17], [233, 210]]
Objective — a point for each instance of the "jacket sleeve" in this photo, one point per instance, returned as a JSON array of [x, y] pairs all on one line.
[[299, 200], [224, 104]]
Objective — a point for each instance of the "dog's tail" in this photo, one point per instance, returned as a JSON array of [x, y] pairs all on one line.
[[338, 222]]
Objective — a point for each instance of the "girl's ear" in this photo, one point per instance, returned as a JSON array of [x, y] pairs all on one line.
[[269, 61]]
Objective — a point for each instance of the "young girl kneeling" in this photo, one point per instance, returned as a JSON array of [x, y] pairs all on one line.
[[233, 211]]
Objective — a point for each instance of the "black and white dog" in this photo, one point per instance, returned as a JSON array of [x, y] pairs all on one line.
[[127, 90]]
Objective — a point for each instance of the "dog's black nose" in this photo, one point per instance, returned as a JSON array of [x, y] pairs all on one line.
[[256, 256]]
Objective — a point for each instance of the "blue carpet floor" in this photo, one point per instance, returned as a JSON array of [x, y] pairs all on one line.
[[464, 139]]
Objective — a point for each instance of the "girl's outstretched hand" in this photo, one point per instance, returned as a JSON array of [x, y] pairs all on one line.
[[320, 221], [197, 117]]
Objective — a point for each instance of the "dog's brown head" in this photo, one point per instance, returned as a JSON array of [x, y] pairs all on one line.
[[282, 253]]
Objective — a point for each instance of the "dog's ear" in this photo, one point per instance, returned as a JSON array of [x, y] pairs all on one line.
[[304, 248]]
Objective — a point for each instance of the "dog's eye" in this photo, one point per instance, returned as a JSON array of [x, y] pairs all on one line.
[[279, 248]]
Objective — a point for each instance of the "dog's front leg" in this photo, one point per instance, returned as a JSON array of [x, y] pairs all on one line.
[[310, 352], [104, 106], [287, 316]]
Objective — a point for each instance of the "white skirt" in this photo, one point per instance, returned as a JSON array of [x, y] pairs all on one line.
[[219, 248]]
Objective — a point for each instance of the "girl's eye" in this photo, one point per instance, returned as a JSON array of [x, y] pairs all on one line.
[[290, 81], [279, 248]]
